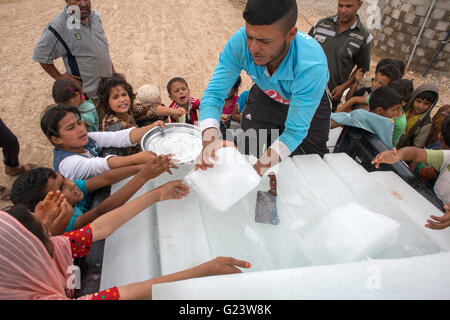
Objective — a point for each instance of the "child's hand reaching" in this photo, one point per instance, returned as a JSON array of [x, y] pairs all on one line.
[[439, 223], [222, 265], [389, 156], [144, 157], [173, 190], [179, 112], [157, 123], [153, 168], [54, 212]]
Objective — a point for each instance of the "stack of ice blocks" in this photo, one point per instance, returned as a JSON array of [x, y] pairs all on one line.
[[309, 190]]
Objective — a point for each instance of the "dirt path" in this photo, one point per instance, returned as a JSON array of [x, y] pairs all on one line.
[[150, 42]]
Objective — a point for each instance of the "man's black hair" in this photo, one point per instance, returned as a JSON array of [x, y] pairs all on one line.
[[385, 98], [29, 188], [267, 12]]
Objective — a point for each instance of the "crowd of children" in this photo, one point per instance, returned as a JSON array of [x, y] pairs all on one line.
[[80, 132], [94, 147], [407, 122]]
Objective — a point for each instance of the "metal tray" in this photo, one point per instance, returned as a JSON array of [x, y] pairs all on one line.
[[182, 139]]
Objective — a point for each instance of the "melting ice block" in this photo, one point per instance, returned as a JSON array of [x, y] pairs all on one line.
[[231, 178], [349, 233], [387, 279]]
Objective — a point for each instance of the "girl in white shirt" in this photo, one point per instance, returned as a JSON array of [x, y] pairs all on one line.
[[77, 151]]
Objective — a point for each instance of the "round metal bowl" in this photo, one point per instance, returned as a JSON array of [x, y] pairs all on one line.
[[181, 139]]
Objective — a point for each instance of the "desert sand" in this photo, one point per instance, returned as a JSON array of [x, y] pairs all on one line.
[[150, 42]]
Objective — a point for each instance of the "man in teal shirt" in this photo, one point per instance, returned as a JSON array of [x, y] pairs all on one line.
[[290, 72]]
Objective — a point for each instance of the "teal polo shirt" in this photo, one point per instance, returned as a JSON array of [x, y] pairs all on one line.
[[299, 81]]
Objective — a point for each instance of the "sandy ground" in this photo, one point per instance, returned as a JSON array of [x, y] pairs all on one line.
[[150, 42]]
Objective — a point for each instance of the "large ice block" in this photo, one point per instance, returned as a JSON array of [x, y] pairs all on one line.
[[349, 233], [424, 277], [182, 239], [231, 178], [356, 178], [190, 231], [131, 252], [415, 206], [326, 189], [234, 233], [412, 241]]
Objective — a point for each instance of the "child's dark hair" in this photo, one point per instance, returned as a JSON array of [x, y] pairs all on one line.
[[104, 90], [267, 12], [65, 89], [31, 223], [390, 71], [398, 63], [385, 98], [172, 81], [430, 96], [383, 62], [445, 130], [29, 188], [404, 87], [52, 116]]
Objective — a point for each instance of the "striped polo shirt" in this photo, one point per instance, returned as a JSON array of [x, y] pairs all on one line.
[[343, 50]]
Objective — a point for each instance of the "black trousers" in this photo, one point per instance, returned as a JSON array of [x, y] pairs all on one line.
[[10, 146], [262, 112]]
